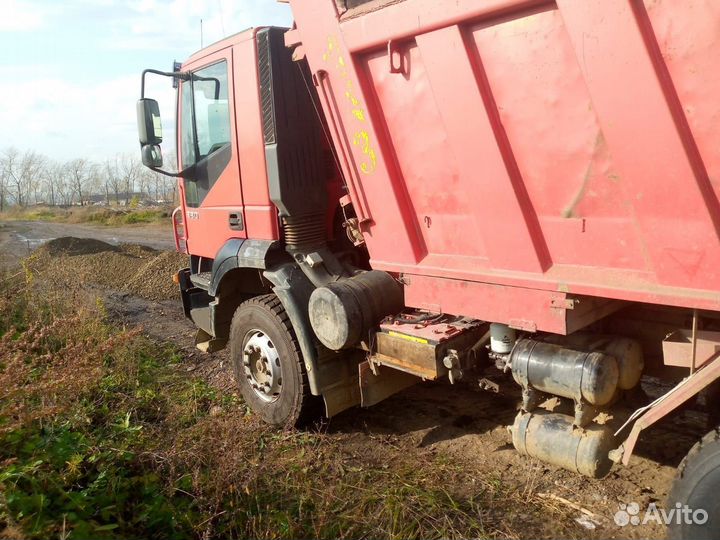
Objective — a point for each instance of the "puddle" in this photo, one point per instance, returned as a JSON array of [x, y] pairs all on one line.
[[31, 243]]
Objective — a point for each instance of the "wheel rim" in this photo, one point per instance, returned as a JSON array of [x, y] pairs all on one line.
[[261, 364]]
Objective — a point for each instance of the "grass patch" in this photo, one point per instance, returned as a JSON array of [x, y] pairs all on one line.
[[109, 216], [77, 398], [44, 215], [105, 434], [130, 217]]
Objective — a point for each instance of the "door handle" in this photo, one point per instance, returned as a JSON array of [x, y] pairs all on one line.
[[235, 220]]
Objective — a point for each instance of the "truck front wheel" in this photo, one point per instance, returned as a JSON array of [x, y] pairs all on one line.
[[694, 493], [268, 364]]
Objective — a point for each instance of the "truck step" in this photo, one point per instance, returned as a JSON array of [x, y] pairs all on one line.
[[201, 280]]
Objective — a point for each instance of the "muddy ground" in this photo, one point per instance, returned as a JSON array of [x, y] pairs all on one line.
[[461, 422], [19, 238]]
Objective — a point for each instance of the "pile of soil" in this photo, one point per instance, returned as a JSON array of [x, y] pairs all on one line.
[[69, 245], [139, 270], [153, 280]]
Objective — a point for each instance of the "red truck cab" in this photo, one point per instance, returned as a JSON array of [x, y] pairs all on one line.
[[218, 131]]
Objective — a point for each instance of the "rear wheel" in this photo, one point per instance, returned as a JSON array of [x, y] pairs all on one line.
[[694, 492], [268, 364]]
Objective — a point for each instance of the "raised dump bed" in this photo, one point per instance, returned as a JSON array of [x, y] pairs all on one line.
[[508, 156]]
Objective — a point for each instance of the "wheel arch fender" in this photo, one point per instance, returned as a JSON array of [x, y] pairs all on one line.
[[242, 254], [293, 288], [236, 276]]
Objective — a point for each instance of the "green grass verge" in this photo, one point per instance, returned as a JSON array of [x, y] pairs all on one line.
[[114, 216], [109, 217]]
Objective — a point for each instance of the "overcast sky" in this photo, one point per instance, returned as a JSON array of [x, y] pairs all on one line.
[[71, 68]]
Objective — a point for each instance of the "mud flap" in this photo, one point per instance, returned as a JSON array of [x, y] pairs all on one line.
[[331, 375], [382, 383], [207, 343]]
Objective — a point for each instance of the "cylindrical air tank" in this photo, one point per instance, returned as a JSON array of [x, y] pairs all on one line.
[[551, 437], [583, 376]]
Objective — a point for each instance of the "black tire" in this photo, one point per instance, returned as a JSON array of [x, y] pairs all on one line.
[[291, 404], [696, 485]]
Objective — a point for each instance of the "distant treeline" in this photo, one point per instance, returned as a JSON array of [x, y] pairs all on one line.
[[30, 178]]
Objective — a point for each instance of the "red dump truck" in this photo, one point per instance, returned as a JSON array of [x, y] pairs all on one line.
[[505, 191]]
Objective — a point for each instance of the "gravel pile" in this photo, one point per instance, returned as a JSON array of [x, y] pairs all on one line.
[[153, 280], [139, 270], [69, 245]]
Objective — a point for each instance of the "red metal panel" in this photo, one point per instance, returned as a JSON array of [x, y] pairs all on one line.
[[499, 302], [441, 204], [689, 48], [368, 164], [511, 231], [261, 220], [664, 178], [413, 17], [556, 140]]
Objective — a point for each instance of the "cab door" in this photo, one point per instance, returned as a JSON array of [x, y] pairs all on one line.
[[207, 143]]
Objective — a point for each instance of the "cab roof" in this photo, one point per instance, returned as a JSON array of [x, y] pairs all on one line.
[[234, 39]]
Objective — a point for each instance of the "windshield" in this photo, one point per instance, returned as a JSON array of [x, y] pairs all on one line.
[[207, 96]]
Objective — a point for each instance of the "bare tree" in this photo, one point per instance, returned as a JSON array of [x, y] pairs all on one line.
[[129, 169], [143, 182], [10, 157], [170, 183], [156, 180], [113, 179], [158, 186], [32, 166], [78, 176], [29, 177], [3, 183], [102, 171], [63, 184], [7, 164], [21, 174], [93, 178], [51, 177]]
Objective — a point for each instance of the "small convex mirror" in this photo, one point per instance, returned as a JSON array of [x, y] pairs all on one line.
[[151, 156]]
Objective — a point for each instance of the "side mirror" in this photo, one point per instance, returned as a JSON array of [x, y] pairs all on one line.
[[149, 124], [151, 156]]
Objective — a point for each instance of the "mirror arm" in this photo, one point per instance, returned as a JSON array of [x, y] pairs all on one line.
[[174, 74], [185, 173], [213, 79]]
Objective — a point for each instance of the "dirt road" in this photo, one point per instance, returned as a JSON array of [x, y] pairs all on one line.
[[19, 238]]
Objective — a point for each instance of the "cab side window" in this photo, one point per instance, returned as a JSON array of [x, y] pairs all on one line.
[[205, 129]]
